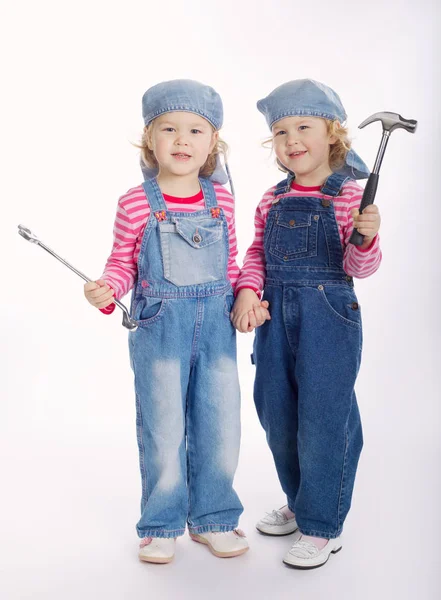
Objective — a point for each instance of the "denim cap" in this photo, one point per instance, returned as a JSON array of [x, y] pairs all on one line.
[[306, 97], [188, 96], [183, 95]]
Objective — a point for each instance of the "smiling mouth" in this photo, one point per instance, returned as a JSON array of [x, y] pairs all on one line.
[[296, 154], [181, 155]]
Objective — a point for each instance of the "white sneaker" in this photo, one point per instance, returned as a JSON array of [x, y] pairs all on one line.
[[277, 523], [305, 555], [157, 550], [223, 544]]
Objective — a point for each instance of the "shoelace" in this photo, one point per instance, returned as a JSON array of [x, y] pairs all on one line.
[[275, 515], [303, 549]]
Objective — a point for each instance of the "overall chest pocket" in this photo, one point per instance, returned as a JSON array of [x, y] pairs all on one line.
[[193, 250], [294, 234]]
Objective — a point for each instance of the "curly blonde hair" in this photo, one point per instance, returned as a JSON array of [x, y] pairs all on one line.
[[207, 169], [337, 151]]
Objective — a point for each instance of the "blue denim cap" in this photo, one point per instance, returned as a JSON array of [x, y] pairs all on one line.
[[183, 95], [306, 97], [188, 96]]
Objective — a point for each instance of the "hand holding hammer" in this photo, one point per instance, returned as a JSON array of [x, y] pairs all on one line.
[[390, 122]]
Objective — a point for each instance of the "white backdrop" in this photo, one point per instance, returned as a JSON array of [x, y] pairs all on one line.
[[72, 78]]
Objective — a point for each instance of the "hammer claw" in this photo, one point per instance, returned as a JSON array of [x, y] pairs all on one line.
[[391, 121]]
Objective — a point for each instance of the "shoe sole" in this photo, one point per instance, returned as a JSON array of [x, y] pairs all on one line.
[[157, 560], [277, 534], [302, 568], [201, 540]]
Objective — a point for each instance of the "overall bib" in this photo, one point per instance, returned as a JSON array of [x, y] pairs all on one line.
[[183, 355], [307, 359]]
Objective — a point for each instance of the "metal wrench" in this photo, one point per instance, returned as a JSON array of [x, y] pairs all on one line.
[[127, 321]]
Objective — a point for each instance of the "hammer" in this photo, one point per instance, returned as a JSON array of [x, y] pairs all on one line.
[[390, 121]]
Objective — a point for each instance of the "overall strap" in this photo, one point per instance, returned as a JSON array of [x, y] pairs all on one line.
[[284, 186], [154, 195], [334, 184], [209, 192]]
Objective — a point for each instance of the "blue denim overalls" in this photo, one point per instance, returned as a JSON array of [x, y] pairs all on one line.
[[183, 355], [307, 359]]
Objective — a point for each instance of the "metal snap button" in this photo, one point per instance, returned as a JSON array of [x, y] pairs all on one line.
[[326, 202], [316, 217], [355, 306], [348, 278], [321, 288], [197, 238], [285, 258], [292, 223]]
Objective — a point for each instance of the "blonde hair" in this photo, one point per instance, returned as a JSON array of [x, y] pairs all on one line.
[[149, 158], [337, 151]]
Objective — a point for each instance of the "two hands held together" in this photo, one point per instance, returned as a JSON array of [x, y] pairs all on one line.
[[248, 311]]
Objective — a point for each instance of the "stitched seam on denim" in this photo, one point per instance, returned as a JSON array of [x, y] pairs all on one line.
[[342, 482], [189, 462], [197, 213], [149, 227], [302, 283], [179, 107], [214, 525], [226, 312], [204, 291], [139, 431], [291, 342], [331, 252], [197, 331], [307, 269], [319, 533], [311, 113], [148, 532], [210, 197]]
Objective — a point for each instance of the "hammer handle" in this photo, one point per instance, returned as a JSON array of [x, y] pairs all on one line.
[[368, 198]]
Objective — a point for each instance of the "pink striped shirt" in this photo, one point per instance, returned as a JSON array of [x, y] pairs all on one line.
[[132, 215], [356, 262]]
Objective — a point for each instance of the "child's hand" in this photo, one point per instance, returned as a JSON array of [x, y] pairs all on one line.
[[98, 293], [368, 223], [258, 315], [248, 312]]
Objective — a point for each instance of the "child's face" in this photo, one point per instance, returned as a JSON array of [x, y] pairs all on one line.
[[302, 145], [181, 142]]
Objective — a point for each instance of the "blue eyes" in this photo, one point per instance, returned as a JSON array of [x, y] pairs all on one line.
[[172, 129], [301, 128]]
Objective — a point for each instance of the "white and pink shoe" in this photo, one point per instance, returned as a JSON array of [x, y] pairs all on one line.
[[157, 550]]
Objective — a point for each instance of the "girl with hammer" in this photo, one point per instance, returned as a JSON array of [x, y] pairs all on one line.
[[308, 355]]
